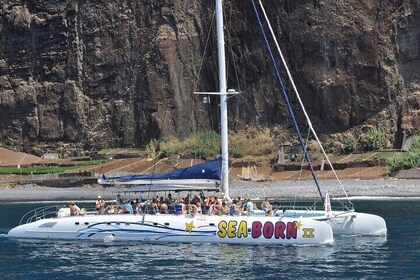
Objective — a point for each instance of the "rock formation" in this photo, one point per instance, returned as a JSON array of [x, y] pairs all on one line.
[[119, 73]]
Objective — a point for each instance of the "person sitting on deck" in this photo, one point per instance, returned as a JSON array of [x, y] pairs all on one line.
[[153, 207], [180, 207], [224, 210], [234, 210], [170, 199], [128, 206], [207, 202], [266, 206], [111, 209], [194, 209], [74, 209], [164, 208]]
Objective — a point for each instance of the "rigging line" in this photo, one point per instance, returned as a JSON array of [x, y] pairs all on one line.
[[235, 68], [205, 49], [286, 99], [301, 103], [303, 159]]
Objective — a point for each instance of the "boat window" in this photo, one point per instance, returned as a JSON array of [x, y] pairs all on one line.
[[166, 224], [211, 224], [127, 224], [108, 223], [76, 223], [117, 224], [47, 225], [155, 224], [86, 223]]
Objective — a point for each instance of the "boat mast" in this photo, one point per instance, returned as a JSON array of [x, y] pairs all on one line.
[[223, 96]]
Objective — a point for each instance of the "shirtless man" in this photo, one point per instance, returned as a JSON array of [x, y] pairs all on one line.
[[100, 205], [74, 209]]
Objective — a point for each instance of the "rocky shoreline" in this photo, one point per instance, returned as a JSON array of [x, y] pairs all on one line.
[[303, 189]]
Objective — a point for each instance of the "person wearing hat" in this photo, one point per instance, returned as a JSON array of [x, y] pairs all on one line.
[[100, 205], [226, 199]]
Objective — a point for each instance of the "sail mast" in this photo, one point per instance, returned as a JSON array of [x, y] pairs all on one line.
[[223, 96]]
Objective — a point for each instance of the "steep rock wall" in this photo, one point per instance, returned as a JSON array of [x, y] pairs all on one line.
[[120, 73]]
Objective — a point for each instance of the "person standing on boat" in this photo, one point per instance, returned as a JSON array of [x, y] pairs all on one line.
[[128, 206], [249, 206], [119, 200], [100, 205], [226, 199]]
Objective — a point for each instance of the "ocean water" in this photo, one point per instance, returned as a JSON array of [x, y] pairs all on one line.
[[352, 257]]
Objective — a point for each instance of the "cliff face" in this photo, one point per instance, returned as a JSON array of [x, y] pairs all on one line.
[[119, 73]]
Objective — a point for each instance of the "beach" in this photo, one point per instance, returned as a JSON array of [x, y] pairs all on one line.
[[285, 189]]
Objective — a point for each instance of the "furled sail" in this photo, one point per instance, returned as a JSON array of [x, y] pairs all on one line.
[[208, 172]]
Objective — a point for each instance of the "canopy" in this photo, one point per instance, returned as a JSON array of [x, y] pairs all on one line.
[[208, 172]]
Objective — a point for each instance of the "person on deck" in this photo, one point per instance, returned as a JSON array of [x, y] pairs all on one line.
[[225, 209], [74, 209], [164, 208], [226, 199], [266, 206], [119, 201], [249, 206], [128, 206], [100, 205]]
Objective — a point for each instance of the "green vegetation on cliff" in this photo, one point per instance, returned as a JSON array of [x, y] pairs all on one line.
[[410, 159]]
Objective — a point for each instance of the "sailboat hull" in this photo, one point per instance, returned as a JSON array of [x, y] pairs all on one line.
[[345, 223], [179, 229], [358, 224]]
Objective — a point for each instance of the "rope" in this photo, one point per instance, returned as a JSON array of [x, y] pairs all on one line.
[[301, 103], [289, 106]]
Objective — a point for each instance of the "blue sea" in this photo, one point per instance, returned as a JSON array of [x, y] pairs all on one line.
[[393, 256]]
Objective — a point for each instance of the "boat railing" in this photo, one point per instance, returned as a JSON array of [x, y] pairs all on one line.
[[40, 213], [304, 205]]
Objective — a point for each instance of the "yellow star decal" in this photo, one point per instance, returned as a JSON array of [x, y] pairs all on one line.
[[189, 226], [298, 224]]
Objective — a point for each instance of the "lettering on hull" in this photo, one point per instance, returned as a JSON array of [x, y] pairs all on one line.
[[267, 230]]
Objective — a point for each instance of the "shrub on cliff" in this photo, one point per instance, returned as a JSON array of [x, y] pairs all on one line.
[[375, 139], [350, 144], [248, 142], [198, 144], [408, 160]]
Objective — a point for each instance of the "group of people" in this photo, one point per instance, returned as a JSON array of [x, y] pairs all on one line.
[[235, 207], [210, 205]]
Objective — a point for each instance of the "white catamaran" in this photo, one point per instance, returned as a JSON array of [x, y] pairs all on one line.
[[185, 228]]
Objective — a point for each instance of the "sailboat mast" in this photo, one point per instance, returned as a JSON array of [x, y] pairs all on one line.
[[223, 96]]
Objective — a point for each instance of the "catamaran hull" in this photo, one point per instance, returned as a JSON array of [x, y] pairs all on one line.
[[181, 229], [358, 224], [345, 223]]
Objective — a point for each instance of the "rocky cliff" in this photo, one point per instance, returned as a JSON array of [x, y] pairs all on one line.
[[119, 73]]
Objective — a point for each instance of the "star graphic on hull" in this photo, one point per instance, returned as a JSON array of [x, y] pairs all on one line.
[[189, 226], [298, 224]]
